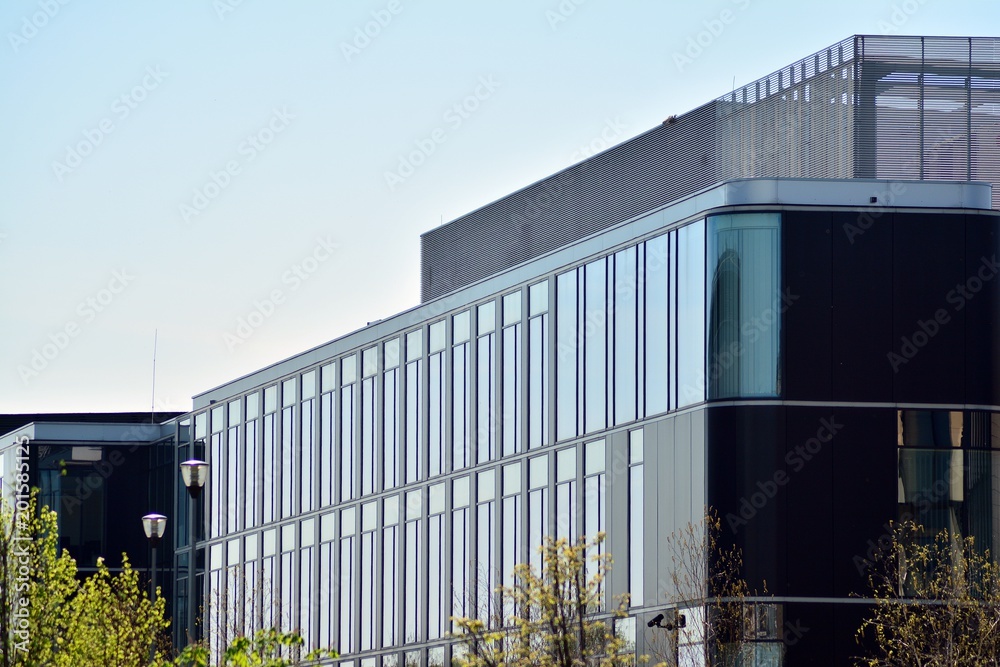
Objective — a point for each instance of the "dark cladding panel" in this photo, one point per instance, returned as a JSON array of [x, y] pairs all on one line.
[[812, 437], [861, 317], [982, 312], [928, 342], [806, 324], [745, 448], [865, 483]]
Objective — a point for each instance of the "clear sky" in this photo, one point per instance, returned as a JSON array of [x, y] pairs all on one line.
[[175, 167]]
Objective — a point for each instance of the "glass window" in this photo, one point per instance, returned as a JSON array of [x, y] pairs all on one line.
[[269, 485], [414, 344], [414, 452], [486, 485], [288, 392], [390, 428], [253, 405], [566, 464], [437, 337], [511, 376], [369, 362], [512, 308], [348, 443], [691, 312], [511, 478], [461, 397], [328, 377], [234, 412], [390, 353], [461, 559], [538, 298], [486, 317], [436, 414], [744, 317], [308, 385], [306, 469], [595, 360], [435, 498], [538, 381], [348, 521], [626, 331], [414, 504], [460, 327], [460, 492], [271, 398], [369, 468], [349, 369], [595, 457], [327, 527], [568, 346], [486, 397]]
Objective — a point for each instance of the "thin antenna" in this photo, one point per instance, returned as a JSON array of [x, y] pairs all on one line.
[[152, 393]]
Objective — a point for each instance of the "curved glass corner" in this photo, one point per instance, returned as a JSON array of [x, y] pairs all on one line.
[[743, 270]]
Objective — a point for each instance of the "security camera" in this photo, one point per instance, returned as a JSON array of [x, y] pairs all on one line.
[[656, 621]]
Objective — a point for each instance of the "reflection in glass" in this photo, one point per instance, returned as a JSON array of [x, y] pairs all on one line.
[[745, 305]]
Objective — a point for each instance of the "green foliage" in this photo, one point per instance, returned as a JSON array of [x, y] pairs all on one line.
[[267, 648], [548, 618], [112, 621], [37, 581], [936, 602]]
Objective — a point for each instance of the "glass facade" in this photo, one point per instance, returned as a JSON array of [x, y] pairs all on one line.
[[364, 461], [396, 484]]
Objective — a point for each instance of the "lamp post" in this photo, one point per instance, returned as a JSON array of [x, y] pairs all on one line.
[[154, 525], [194, 472]]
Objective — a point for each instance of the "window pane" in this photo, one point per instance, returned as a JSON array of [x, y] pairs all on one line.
[[691, 312], [566, 355], [595, 346], [538, 381], [745, 305], [625, 330], [511, 308], [538, 298]]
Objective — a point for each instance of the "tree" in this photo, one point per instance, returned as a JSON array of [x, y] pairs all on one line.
[[549, 618], [721, 619], [936, 602], [267, 648], [37, 581], [113, 622]]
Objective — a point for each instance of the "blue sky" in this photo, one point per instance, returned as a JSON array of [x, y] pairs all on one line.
[[177, 167]]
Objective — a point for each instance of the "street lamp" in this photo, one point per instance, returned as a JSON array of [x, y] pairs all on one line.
[[154, 525], [194, 472]]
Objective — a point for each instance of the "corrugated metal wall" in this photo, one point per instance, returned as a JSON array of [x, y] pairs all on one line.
[[867, 107]]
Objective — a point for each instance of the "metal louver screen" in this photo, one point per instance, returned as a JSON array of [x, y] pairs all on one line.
[[867, 107]]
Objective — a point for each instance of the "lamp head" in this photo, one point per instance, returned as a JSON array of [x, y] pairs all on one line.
[[194, 472], [155, 526]]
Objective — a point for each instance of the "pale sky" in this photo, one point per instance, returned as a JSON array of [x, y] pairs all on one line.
[[170, 167]]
